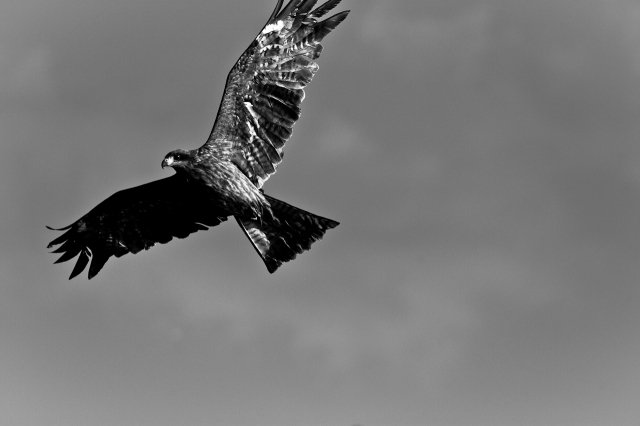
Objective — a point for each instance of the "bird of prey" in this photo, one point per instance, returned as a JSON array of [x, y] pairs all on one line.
[[224, 177]]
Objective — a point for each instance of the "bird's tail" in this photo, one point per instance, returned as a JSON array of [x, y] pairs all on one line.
[[279, 241]]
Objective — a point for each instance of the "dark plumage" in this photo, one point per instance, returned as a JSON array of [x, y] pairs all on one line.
[[224, 177]]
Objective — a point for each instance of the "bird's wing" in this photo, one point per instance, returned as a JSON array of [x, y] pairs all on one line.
[[261, 100], [135, 219]]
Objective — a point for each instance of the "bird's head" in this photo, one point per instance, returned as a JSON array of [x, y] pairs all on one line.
[[177, 158]]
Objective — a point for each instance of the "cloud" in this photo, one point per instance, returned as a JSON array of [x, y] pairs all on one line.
[[573, 59], [26, 72], [422, 43], [481, 157]]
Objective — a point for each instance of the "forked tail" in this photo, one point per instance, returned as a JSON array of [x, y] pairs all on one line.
[[277, 243]]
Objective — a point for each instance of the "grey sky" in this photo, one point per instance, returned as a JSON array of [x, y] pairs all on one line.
[[482, 157]]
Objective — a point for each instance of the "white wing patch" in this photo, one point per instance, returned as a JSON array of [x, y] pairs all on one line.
[[275, 27], [253, 113]]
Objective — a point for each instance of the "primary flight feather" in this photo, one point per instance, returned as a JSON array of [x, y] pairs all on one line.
[[224, 177]]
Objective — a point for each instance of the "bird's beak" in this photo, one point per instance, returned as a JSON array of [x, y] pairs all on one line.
[[168, 161]]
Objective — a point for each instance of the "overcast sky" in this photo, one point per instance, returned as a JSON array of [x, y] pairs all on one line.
[[483, 158]]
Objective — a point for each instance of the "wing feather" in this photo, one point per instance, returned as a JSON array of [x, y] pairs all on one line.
[[82, 262], [136, 219], [324, 9], [264, 90]]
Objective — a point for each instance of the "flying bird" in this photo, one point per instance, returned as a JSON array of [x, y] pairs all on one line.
[[224, 177]]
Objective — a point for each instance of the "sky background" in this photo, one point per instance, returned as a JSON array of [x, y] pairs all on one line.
[[483, 159]]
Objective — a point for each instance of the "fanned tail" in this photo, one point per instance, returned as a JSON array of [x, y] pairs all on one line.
[[277, 243]]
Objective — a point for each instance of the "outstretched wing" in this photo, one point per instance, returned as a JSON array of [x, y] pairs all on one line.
[[261, 101], [135, 219]]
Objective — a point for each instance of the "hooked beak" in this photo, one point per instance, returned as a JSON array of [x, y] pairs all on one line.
[[167, 161]]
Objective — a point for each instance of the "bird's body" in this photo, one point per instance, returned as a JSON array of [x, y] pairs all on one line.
[[224, 177], [222, 180]]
